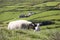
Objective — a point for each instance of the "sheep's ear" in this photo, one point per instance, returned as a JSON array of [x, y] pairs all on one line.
[[32, 24]]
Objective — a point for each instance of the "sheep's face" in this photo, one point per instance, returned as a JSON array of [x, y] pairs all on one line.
[[31, 26]]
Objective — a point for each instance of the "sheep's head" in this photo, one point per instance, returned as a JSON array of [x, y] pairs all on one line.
[[31, 26]]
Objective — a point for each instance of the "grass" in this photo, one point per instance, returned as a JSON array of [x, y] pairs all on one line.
[[12, 11], [47, 4], [45, 15], [25, 35], [52, 3]]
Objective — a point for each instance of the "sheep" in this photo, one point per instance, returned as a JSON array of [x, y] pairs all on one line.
[[19, 24]]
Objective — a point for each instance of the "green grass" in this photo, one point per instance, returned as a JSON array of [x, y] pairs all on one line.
[[52, 3], [48, 4], [25, 35], [12, 10], [48, 15]]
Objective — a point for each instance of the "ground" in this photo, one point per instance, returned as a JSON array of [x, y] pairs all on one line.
[[11, 12]]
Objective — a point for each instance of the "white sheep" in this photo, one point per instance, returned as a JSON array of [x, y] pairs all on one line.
[[19, 24]]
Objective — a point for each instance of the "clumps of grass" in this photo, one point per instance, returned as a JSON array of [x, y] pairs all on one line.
[[11, 34], [7, 34], [51, 34], [57, 26], [28, 34], [52, 27], [56, 19], [20, 32], [1, 22], [2, 35], [35, 21], [49, 27], [54, 35], [34, 36]]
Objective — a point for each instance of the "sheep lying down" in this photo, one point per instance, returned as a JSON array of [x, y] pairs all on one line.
[[19, 24]]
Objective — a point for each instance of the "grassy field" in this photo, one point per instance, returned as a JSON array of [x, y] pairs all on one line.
[[11, 10]]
